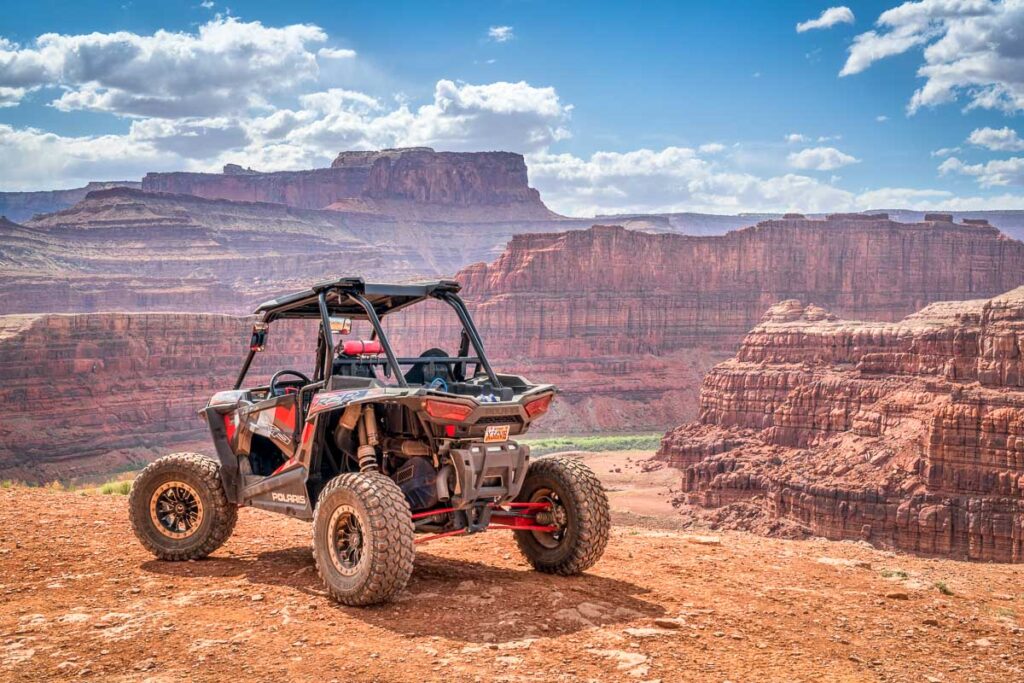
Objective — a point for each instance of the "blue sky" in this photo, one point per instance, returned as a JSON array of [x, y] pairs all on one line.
[[710, 106]]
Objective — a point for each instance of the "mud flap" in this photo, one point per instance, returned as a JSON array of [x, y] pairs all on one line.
[[229, 472]]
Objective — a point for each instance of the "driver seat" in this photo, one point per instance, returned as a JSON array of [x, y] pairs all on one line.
[[418, 373]]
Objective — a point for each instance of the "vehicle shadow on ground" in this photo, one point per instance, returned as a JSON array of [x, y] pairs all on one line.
[[453, 598]]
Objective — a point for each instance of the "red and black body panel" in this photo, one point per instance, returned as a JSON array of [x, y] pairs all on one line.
[[278, 449]]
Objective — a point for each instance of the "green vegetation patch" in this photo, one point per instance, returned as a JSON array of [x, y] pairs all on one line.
[[595, 444], [116, 488]]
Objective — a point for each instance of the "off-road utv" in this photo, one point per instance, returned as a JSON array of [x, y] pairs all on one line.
[[374, 455]]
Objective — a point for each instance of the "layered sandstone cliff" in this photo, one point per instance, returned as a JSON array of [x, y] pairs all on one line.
[[88, 394], [907, 434], [21, 206], [412, 182], [626, 323], [126, 249]]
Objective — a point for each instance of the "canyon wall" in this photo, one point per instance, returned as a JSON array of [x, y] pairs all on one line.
[[610, 291], [626, 323], [908, 434], [89, 394], [483, 186], [21, 206], [126, 249]]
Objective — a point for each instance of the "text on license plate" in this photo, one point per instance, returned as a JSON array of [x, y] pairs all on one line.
[[496, 433]]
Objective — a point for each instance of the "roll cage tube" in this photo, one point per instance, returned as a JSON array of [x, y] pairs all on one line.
[[374, 319], [244, 370], [328, 340], [324, 372], [456, 302]]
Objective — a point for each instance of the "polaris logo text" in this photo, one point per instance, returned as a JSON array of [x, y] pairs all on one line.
[[288, 498]]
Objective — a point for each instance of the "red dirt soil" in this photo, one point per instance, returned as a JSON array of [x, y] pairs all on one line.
[[81, 600]]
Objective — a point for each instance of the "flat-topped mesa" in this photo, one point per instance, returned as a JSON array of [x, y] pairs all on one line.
[[907, 434], [391, 181]]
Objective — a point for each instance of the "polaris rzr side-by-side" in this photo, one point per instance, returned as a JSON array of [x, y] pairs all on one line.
[[375, 456]]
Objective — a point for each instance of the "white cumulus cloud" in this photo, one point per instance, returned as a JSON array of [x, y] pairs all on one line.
[[35, 159], [335, 53], [827, 19], [226, 66], [670, 179], [501, 34], [973, 50], [460, 117], [820, 159], [995, 173], [997, 139]]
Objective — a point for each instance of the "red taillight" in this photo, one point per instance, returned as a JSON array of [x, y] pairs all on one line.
[[443, 410], [539, 406]]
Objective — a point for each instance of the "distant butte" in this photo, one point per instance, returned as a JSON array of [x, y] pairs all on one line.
[[415, 181]]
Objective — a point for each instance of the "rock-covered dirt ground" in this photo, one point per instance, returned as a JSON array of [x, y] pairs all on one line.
[[81, 600]]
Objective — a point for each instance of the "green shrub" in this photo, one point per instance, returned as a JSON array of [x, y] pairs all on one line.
[[943, 588], [898, 573], [117, 488], [595, 443]]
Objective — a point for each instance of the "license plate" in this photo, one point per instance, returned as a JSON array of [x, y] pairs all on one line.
[[496, 433]]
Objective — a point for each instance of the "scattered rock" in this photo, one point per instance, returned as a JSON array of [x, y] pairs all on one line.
[[670, 622]]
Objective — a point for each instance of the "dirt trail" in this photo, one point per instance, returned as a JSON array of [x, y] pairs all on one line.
[[80, 600]]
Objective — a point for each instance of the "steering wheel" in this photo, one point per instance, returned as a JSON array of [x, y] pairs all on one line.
[[272, 391]]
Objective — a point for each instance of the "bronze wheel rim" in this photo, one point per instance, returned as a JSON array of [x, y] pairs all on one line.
[[176, 510], [346, 540], [558, 516]]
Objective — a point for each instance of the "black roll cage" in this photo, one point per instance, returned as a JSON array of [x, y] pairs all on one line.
[[354, 298]]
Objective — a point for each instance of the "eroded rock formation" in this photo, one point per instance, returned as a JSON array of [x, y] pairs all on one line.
[[412, 182], [90, 394], [21, 206], [907, 434], [626, 323], [127, 249]]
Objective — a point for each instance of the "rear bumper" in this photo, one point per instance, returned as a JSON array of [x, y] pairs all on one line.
[[489, 471]]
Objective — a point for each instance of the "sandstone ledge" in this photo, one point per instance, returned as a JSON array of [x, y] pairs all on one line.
[[908, 434]]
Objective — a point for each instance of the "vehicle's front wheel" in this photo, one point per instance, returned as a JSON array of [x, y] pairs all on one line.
[[363, 538], [178, 508], [579, 510]]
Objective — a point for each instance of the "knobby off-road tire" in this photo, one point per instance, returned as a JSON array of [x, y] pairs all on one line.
[[363, 538], [584, 517], [178, 508]]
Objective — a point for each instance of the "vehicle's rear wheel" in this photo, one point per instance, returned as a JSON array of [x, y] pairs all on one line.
[[178, 508], [363, 538], [579, 508]]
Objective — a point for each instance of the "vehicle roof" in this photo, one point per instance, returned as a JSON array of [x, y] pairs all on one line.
[[385, 298]]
